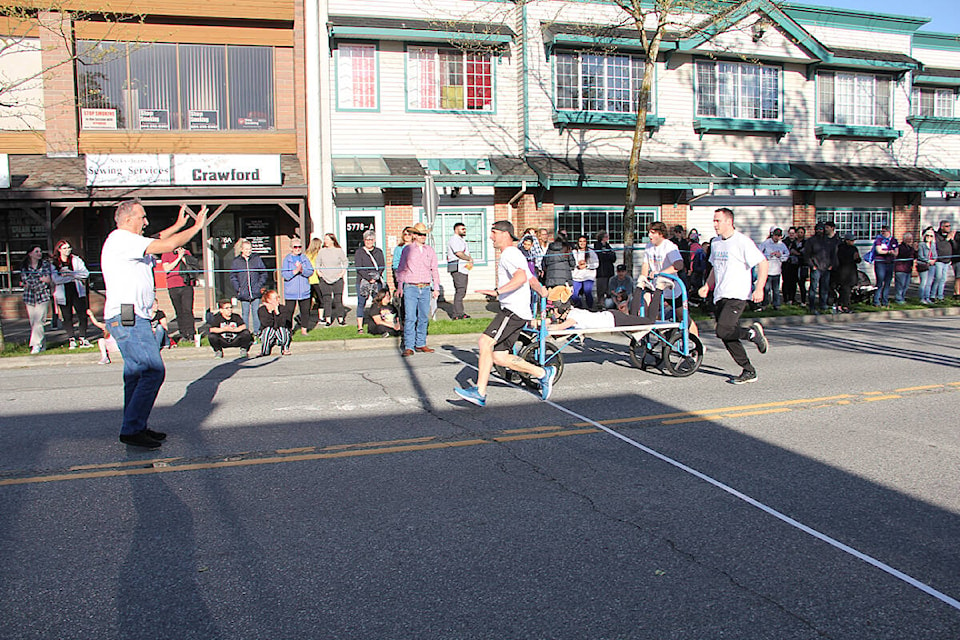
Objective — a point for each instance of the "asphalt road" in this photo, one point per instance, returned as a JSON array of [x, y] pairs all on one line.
[[351, 495]]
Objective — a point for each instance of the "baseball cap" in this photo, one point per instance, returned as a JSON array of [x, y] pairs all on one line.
[[621, 267], [848, 236], [505, 225]]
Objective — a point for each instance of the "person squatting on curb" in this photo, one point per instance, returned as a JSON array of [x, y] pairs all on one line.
[[513, 293], [127, 262], [733, 256]]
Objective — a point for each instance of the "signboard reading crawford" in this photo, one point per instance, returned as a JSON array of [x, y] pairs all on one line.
[[142, 170], [227, 170]]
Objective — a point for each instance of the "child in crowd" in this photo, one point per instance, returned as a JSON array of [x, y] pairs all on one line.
[[273, 328], [381, 316], [107, 343]]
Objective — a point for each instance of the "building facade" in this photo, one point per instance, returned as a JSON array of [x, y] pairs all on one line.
[[176, 104]]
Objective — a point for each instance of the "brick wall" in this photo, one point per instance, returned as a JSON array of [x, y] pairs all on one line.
[[56, 44], [804, 211], [284, 88], [906, 214], [398, 213]]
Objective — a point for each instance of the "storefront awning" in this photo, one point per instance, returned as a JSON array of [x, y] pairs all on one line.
[[370, 28], [409, 172]]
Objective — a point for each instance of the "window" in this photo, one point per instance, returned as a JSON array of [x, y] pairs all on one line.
[[591, 221], [449, 80], [864, 223], [932, 103], [738, 90], [593, 82], [357, 76], [854, 99], [477, 232], [174, 86]]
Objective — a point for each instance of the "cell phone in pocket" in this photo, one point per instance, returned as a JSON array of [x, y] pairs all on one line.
[[128, 317]]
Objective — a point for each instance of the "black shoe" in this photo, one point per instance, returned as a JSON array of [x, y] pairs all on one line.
[[159, 436], [745, 377], [139, 439], [758, 338]]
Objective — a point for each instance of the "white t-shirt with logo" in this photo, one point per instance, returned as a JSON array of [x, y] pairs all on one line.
[[732, 260], [589, 320], [659, 258], [127, 273], [518, 301]]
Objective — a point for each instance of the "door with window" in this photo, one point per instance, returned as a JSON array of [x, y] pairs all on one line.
[[351, 225]]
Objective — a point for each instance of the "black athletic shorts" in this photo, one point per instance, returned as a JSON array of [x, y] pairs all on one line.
[[505, 329]]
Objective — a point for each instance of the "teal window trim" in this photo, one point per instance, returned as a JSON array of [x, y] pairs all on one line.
[[936, 80], [927, 124], [376, 71], [613, 210], [578, 53], [834, 72], [780, 90], [827, 131], [420, 35], [479, 232], [494, 63], [778, 128], [603, 120]]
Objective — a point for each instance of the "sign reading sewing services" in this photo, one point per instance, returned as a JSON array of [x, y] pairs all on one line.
[[220, 170], [127, 170]]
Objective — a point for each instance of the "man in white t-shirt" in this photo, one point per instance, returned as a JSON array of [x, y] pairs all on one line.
[[660, 256], [733, 256], [459, 264], [127, 263], [513, 291]]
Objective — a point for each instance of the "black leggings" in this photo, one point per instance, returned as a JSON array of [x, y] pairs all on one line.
[[306, 322], [75, 302]]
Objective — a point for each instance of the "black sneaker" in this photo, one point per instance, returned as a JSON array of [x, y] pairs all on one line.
[[745, 377], [139, 439], [758, 338], [159, 436]]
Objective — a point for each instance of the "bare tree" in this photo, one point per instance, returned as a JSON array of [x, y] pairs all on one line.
[[655, 20]]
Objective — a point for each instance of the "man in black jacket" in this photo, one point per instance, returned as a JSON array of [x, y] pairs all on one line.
[[820, 253], [608, 258]]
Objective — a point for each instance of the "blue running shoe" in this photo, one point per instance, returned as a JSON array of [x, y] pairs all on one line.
[[546, 382], [472, 395]]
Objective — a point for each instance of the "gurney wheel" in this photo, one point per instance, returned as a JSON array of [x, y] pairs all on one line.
[[510, 375], [673, 359], [531, 353], [646, 352]]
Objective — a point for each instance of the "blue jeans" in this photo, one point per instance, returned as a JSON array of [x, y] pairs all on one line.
[[771, 291], [583, 294], [143, 371], [248, 311], [416, 315], [939, 279], [926, 282], [884, 274], [819, 288], [902, 278]]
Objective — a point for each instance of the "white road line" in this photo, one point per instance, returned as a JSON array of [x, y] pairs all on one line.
[[913, 582]]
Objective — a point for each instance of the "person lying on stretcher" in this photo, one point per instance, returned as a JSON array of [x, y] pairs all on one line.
[[566, 316]]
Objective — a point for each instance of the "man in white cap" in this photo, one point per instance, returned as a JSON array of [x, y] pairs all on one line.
[[513, 292]]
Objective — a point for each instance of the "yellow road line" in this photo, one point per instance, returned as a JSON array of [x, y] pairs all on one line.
[[114, 465], [757, 413], [890, 396], [925, 387], [358, 445]]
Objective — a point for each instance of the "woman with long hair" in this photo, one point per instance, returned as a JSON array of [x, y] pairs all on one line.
[[584, 274], [36, 276], [70, 275], [273, 327], [315, 294], [332, 265], [926, 259]]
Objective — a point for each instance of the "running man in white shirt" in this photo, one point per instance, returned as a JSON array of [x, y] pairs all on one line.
[[733, 256], [513, 291]]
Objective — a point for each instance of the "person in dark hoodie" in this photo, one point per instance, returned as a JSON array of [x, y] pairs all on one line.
[[248, 275], [820, 252], [558, 264]]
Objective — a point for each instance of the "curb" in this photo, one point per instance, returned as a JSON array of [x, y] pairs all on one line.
[[466, 339]]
